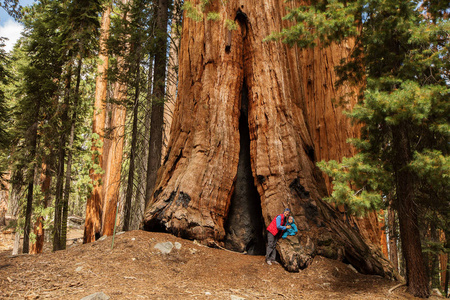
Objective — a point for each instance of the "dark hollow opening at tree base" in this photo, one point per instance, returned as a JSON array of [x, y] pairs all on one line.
[[245, 224]]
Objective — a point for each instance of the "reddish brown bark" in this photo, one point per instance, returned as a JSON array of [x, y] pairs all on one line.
[[416, 275], [443, 261], [393, 249], [38, 227], [383, 237], [172, 78], [4, 196], [95, 201], [116, 130], [114, 160], [196, 182], [328, 126]]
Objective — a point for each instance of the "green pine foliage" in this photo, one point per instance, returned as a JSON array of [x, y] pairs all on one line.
[[193, 12], [403, 51]]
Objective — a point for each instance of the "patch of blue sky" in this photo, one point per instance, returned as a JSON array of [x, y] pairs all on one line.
[[10, 28]]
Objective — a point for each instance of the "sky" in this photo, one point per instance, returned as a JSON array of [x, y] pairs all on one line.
[[9, 28]]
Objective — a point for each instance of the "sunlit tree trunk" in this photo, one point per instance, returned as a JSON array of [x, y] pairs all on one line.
[[172, 76], [116, 132], [114, 160], [231, 81], [330, 129], [95, 201]]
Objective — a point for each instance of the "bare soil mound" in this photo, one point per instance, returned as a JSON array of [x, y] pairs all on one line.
[[135, 269]]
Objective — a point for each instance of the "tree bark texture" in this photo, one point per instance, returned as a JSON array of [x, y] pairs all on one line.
[[393, 249], [61, 163], [443, 260], [127, 208], [13, 207], [38, 227], [95, 201], [158, 97], [4, 196], [33, 139], [196, 183], [116, 135], [172, 76], [114, 161], [416, 275], [68, 179], [329, 128]]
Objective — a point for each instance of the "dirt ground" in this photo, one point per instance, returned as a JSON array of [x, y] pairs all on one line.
[[135, 269]]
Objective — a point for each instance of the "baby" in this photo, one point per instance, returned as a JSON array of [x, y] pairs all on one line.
[[290, 231]]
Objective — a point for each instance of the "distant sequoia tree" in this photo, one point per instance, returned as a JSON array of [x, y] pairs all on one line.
[[251, 119]]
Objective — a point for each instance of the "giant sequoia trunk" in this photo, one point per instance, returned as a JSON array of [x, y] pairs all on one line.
[[250, 121]]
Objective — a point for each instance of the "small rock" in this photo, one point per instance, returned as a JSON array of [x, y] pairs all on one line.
[[207, 293], [177, 246], [193, 250], [352, 268], [133, 239], [234, 297], [119, 233], [165, 248], [96, 296], [436, 292], [102, 238], [78, 269]]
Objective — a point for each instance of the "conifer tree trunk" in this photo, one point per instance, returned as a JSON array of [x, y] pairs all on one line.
[[65, 203], [196, 184], [4, 196], [172, 76], [39, 230], [61, 164], [446, 265], [16, 188], [143, 159], [383, 236], [114, 161], [130, 184], [393, 250], [95, 201], [157, 115], [116, 131], [13, 207], [32, 143], [416, 276]]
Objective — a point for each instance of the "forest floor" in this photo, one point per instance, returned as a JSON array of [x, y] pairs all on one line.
[[135, 269]]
